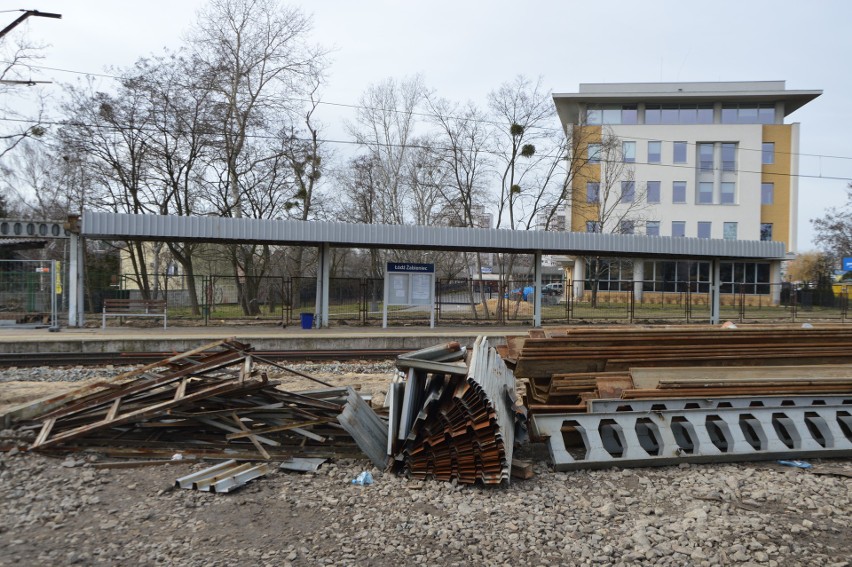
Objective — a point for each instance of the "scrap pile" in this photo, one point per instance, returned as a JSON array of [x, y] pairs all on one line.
[[623, 397], [208, 402], [566, 367], [453, 417]]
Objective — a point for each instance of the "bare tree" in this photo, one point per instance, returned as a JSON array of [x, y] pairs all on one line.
[[110, 132], [834, 230], [613, 202], [17, 54], [463, 147], [306, 157], [524, 116], [180, 143], [384, 128], [34, 180], [256, 59]]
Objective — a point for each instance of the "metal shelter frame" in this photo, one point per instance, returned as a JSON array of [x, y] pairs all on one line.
[[324, 235]]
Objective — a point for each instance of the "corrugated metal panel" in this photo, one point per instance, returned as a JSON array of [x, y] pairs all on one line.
[[366, 428], [155, 227], [490, 372]]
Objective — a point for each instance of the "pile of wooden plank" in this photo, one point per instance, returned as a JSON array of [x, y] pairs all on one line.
[[208, 402], [566, 367]]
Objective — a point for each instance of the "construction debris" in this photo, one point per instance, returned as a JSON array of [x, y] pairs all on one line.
[[206, 403], [366, 428], [223, 477], [636, 397], [456, 422], [452, 418], [303, 464]]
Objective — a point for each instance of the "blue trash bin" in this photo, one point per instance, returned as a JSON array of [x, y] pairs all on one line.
[[307, 320]]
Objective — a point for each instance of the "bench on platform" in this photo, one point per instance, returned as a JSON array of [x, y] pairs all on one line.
[[135, 308]]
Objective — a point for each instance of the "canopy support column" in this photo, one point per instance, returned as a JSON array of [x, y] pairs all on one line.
[[537, 294], [323, 278], [715, 287], [76, 312]]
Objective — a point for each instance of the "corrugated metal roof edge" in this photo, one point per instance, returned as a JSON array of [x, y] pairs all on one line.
[[216, 229]]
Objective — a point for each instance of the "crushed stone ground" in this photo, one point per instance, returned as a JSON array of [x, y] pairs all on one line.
[[65, 512]]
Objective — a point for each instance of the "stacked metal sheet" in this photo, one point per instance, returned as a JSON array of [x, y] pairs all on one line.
[[454, 421]]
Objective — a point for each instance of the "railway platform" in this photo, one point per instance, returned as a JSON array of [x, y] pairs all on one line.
[[20, 340]]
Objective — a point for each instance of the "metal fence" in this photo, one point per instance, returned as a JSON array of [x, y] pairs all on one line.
[[741, 303], [30, 292], [220, 299]]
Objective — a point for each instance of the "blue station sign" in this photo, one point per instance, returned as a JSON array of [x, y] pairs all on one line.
[[411, 267], [847, 264]]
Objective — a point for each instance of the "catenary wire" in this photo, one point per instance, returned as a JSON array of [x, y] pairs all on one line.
[[460, 118]]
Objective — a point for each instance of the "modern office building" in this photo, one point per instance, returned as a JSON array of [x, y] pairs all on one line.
[[696, 160]]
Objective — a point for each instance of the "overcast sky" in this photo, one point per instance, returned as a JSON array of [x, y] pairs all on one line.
[[465, 48]]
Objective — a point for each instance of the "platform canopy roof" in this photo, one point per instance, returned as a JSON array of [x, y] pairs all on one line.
[[113, 226]]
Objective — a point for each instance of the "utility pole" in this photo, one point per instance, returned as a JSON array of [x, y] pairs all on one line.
[[26, 14]]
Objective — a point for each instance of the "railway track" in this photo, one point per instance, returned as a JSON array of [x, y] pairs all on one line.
[[8, 360]]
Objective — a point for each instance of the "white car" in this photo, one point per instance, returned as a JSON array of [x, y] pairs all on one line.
[[553, 289]]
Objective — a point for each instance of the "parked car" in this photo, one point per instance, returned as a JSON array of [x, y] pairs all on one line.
[[557, 288]]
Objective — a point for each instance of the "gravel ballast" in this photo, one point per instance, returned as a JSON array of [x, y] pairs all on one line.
[[62, 511]]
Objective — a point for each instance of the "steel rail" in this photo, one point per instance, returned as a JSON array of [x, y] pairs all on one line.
[[26, 360]]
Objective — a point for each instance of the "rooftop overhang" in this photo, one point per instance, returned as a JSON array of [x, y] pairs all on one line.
[[568, 104], [112, 226]]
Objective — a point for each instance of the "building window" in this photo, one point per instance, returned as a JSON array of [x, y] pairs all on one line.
[[728, 194], [652, 114], [669, 115], [593, 115], [594, 153], [679, 152], [655, 151], [593, 226], [768, 152], [704, 229], [610, 275], [729, 231], [744, 277], [626, 227], [767, 193], [705, 157], [678, 228], [679, 192], [705, 193], [729, 157], [612, 114], [653, 191], [628, 191], [679, 114], [766, 231], [593, 192], [652, 228], [677, 276], [748, 114], [628, 152]]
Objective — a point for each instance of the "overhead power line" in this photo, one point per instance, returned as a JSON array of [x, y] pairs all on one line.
[[459, 118], [413, 146]]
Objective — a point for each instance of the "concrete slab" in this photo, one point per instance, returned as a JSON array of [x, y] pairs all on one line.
[[133, 339]]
